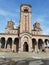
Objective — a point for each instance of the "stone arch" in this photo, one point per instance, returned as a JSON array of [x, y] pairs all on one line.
[[26, 35], [46, 43], [34, 43], [2, 42], [40, 44], [46, 40], [25, 47], [9, 42], [26, 38], [16, 42]]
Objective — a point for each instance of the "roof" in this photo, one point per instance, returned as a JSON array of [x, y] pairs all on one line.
[[11, 21], [25, 5]]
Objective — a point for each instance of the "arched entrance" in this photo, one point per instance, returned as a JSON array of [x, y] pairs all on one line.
[[34, 43], [16, 42], [25, 47], [46, 42], [2, 42], [40, 44], [9, 43]]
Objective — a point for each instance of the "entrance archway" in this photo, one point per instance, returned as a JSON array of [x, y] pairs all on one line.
[[9, 43], [46, 43], [16, 42], [2, 42], [40, 44], [34, 43], [25, 47]]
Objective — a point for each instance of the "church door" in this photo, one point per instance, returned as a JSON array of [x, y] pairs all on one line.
[[25, 47]]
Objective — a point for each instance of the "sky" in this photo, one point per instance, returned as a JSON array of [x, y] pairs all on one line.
[[10, 10]]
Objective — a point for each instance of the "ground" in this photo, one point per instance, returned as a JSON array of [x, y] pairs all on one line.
[[24, 55]]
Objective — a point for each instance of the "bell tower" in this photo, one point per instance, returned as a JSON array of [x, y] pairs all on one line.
[[25, 18]]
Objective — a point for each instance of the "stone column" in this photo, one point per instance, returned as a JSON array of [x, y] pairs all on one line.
[[13, 46], [43, 45], [0, 43], [5, 42], [30, 45], [37, 50], [19, 44]]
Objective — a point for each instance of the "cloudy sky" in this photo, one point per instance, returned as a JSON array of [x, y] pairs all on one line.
[[10, 9]]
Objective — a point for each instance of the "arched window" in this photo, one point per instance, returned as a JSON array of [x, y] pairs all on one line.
[[26, 10]]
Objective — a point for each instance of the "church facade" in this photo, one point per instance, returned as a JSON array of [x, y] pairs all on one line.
[[24, 38]]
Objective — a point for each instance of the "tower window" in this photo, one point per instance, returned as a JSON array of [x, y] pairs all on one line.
[[25, 10]]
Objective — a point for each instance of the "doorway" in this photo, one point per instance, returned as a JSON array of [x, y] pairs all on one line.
[[25, 47]]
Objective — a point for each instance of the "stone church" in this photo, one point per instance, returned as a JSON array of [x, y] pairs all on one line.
[[24, 38]]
